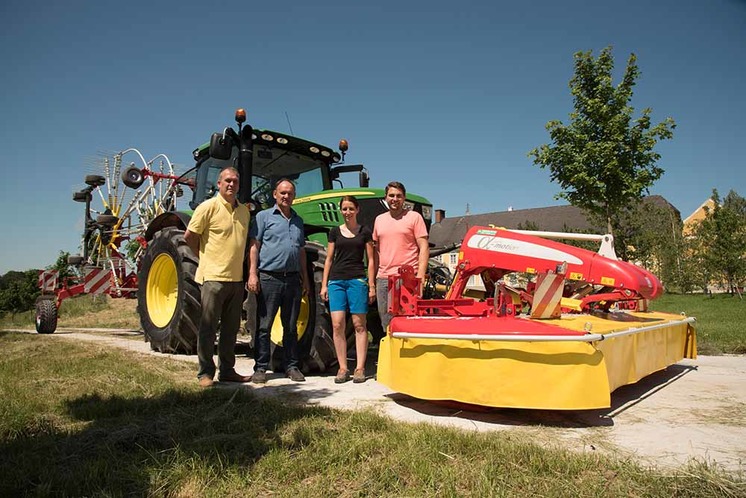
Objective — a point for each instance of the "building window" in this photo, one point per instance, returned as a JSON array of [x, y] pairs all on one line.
[[454, 258]]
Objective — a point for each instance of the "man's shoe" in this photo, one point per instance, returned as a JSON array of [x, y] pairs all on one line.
[[342, 376], [295, 375], [234, 377], [206, 381], [359, 376], [260, 377]]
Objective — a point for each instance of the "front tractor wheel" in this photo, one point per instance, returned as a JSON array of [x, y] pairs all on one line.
[[316, 346], [46, 316], [168, 297]]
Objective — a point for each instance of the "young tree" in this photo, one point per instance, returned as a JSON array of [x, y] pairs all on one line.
[[693, 272], [722, 235], [61, 265], [650, 233], [603, 160]]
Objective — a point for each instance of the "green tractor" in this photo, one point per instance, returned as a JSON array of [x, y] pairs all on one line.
[[169, 297]]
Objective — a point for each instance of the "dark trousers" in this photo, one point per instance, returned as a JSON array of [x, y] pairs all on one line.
[[382, 296], [281, 293], [221, 303]]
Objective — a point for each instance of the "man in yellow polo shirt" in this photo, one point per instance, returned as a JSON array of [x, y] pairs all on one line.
[[217, 233]]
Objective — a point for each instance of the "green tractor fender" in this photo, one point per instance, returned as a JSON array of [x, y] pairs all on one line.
[[178, 219]]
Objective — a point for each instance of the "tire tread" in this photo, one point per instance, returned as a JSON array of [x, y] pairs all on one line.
[[180, 334], [46, 316]]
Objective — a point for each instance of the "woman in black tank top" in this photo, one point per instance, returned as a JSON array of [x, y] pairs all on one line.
[[348, 285]]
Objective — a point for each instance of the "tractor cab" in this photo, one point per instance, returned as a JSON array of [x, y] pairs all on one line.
[[273, 158], [262, 157]]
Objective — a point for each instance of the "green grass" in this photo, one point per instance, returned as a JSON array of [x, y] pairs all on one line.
[[83, 311], [10, 320], [721, 320], [70, 308], [720, 317], [80, 420]]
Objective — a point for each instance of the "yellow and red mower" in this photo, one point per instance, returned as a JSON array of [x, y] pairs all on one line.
[[556, 327]]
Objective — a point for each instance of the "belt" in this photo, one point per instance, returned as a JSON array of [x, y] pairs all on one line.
[[279, 274]]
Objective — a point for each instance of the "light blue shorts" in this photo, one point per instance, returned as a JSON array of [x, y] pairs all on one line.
[[348, 295]]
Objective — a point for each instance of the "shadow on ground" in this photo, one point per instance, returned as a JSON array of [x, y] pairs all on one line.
[[622, 399], [123, 445]]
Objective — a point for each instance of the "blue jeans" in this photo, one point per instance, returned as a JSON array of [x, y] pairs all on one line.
[[221, 302], [283, 293]]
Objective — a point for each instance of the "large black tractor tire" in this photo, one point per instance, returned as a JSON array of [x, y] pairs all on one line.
[[316, 346], [374, 325], [168, 297], [46, 316]]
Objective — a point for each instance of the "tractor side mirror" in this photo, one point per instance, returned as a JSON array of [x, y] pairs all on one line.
[[220, 146], [363, 177]]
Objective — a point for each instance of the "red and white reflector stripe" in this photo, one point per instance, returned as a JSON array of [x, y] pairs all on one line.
[[548, 295], [48, 281], [97, 280]]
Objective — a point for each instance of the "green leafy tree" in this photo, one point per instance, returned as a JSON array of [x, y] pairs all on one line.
[[603, 160], [722, 239], [650, 233], [61, 265], [18, 291], [529, 225], [692, 272]]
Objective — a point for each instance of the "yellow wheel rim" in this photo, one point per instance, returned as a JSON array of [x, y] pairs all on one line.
[[162, 290], [276, 333]]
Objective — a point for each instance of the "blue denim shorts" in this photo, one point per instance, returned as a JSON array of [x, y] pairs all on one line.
[[348, 295]]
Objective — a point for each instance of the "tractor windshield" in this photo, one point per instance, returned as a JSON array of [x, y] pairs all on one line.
[[270, 164]]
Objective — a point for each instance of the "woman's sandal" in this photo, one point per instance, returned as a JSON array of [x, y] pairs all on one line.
[[359, 376], [342, 377]]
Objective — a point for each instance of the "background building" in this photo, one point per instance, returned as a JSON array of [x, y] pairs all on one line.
[[446, 231]]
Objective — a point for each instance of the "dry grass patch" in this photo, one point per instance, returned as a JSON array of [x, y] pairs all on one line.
[[99, 311], [729, 414]]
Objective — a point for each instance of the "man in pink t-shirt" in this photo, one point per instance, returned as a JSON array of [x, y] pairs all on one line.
[[401, 239]]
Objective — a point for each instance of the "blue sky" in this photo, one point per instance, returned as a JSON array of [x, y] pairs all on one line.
[[420, 89]]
